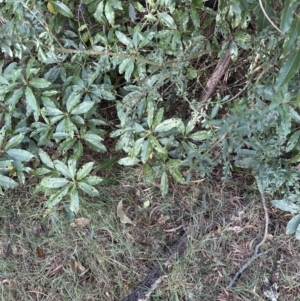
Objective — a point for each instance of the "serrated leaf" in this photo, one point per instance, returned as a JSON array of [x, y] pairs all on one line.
[[57, 197], [62, 9], [127, 161], [84, 170], [54, 182], [107, 163], [74, 200], [109, 14], [167, 125], [6, 182], [121, 214], [20, 154], [32, 103], [63, 169], [286, 205], [289, 68], [39, 83], [164, 184], [293, 224], [14, 141], [88, 189], [82, 108]]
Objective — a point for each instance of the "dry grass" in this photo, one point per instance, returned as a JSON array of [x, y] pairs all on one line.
[[47, 259]]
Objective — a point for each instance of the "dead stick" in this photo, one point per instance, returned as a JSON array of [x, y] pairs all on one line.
[[144, 289], [215, 77]]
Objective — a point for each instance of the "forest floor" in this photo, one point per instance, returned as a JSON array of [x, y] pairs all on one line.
[[93, 256]]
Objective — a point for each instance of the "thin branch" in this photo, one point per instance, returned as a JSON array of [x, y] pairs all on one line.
[[255, 255], [266, 15]]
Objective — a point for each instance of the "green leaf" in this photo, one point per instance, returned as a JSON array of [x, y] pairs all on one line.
[[286, 205], [32, 103], [53, 112], [66, 145], [2, 136], [164, 184], [292, 36], [177, 176], [294, 139], [127, 65], [157, 145], [166, 19], [14, 141], [167, 125], [99, 13], [127, 161], [7, 182], [74, 200], [107, 163], [94, 142], [146, 150], [83, 107], [195, 17], [201, 135], [73, 100], [148, 173], [88, 189], [150, 112], [84, 170], [57, 197], [158, 117], [54, 182], [293, 224], [289, 68], [62, 9], [289, 10], [92, 180], [20, 154], [39, 83], [72, 165], [63, 169], [110, 14], [122, 38]]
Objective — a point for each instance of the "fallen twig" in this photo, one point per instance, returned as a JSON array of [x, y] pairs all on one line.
[[255, 255]]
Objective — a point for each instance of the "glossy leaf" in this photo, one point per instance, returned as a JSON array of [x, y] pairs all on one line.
[[107, 163], [167, 125], [293, 224], [83, 107], [286, 205], [289, 68], [14, 141], [84, 170], [128, 161], [74, 200], [32, 103], [57, 197], [20, 154], [164, 184], [62, 9], [39, 83], [88, 189], [287, 14], [63, 169], [54, 182], [6, 182]]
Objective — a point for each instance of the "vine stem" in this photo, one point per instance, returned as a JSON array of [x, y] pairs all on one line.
[[256, 254]]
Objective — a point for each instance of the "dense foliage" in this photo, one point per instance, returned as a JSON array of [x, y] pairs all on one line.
[[68, 66]]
